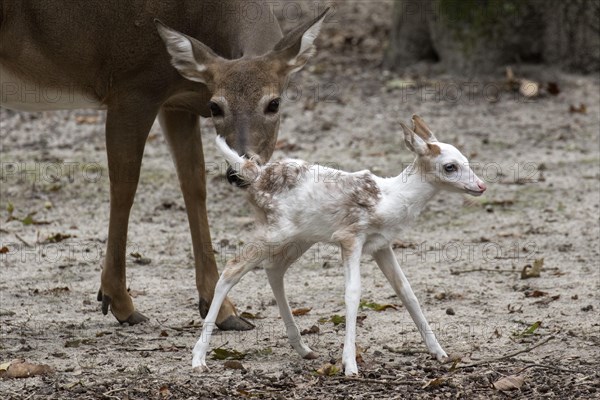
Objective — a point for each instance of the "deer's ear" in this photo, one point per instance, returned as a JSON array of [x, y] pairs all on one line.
[[422, 130], [189, 56], [297, 47], [413, 142]]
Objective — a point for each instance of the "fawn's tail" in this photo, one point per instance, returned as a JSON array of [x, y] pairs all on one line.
[[244, 167]]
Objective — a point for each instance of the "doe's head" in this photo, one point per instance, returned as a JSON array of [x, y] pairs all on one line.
[[440, 163], [245, 93]]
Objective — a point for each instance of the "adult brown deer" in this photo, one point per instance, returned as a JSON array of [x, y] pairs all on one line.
[[232, 63]]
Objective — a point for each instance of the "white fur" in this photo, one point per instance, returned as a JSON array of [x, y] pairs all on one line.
[[319, 207]]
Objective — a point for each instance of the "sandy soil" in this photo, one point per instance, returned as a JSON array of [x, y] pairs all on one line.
[[464, 259]]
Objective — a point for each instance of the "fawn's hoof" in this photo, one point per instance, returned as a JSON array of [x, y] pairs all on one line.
[[200, 369], [235, 323], [311, 356], [135, 318]]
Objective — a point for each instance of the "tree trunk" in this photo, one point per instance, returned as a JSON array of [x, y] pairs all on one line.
[[478, 36]]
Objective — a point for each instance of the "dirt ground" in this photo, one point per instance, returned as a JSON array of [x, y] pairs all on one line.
[[464, 259]]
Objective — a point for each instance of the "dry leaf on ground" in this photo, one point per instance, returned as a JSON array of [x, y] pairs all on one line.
[[21, 369], [510, 382]]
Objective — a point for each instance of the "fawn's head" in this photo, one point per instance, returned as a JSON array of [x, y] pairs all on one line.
[[440, 163], [245, 92]]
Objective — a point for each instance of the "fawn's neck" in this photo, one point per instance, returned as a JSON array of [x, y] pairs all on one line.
[[410, 191]]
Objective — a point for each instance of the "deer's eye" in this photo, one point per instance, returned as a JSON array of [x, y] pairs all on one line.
[[273, 106], [215, 109], [450, 168]]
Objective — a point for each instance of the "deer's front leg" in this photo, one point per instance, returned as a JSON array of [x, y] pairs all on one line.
[[351, 251], [386, 260], [182, 131], [127, 127]]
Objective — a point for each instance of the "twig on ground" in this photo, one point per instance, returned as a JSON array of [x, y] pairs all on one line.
[[108, 394], [535, 365], [466, 271], [506, 356], [378, 381], [404, 351], [22, 240]]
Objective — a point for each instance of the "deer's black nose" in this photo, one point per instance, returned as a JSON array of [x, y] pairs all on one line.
[[234, 178]]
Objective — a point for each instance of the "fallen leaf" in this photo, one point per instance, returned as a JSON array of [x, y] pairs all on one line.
[[338, 319], [510, 382], [328, 369], [376, 306], [86, 119], [435, 382], [3, 250], [233, 364], [533, 272], [581, 109], [56, 237], [227, 354], [249, 315], [73, 343], [313, 330], [164, 334], [530, 330], [301, 311], [28, 219], [535, 293], [21, 369], [164, 391], [263, 352]]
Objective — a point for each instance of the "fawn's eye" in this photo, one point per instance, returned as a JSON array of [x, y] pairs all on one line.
[[450, 168], [215, 110], [273, 106]]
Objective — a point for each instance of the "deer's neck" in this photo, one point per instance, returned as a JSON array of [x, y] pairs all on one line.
[[407, 194]]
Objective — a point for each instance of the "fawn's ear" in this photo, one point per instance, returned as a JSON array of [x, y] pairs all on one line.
[[420, 128], [189, 56], [413, 142], [297, 47]]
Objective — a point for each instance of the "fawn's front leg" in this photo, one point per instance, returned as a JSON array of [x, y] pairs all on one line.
[[386, 260], [233, 272], [351, 251]]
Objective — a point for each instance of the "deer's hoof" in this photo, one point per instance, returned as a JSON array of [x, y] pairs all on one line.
[[135, 318], [235, 323], [311, 356], [203, 307]]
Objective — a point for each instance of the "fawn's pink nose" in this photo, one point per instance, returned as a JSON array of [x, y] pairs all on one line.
[[482, 186]]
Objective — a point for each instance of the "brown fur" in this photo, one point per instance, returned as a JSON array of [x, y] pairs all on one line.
[[422, 130], [434, 149]]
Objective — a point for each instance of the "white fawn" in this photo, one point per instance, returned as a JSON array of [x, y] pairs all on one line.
[[298, 205]]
